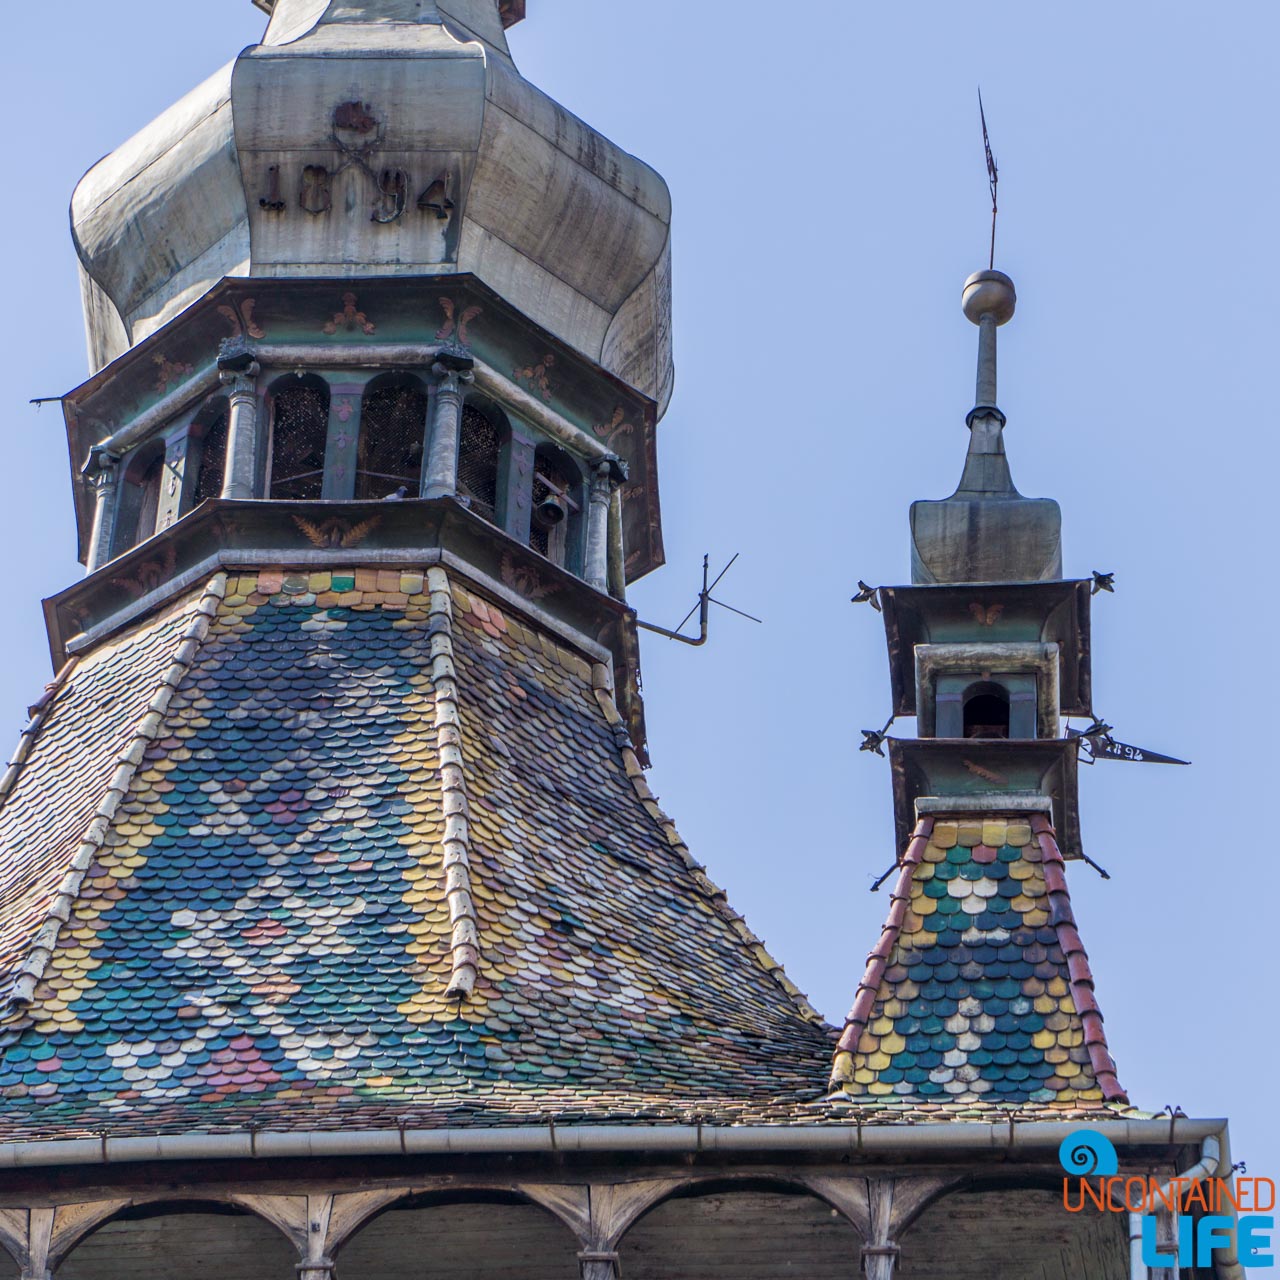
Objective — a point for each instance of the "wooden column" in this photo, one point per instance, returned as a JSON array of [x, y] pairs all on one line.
[[599, 1216], [893, 1204], [880, 1254], [440, 475], [599, 1264], [40, 1238], [103, 472], [239, 478]]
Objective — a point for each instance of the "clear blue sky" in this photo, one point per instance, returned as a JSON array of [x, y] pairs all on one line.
[[826, 167]]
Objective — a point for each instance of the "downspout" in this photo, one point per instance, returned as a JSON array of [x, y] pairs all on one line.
[[1227, 1264]]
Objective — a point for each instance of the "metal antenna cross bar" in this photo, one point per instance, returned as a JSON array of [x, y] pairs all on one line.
[[702, 608]]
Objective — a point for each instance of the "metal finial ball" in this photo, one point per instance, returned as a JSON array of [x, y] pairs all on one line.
[[989, 293]]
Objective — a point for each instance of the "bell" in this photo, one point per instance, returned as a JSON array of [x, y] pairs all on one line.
[[550, 511]]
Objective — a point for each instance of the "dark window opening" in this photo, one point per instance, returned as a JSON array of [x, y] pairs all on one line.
[[299, 425], [213, 459], [479, 450], [149, 498], [986, 712], [557, 508], [393, 421]]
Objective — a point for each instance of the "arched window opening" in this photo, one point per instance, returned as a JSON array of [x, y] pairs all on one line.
[[474, 1236], [986, 711], [138, 507], [1010, 1234], [299, 426], [212, 462], [155, 1242], [479, 453], [393, 421], [557, 507], [741, 1234]]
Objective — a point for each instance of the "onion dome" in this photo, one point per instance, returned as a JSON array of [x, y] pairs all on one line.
[[382, 138]]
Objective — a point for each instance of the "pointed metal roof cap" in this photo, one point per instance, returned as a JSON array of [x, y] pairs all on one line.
[[986, 531]]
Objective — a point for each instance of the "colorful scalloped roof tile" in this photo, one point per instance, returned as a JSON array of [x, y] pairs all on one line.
[[343, 847], [979, 990]]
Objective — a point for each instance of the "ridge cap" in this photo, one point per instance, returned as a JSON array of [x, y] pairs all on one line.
[[455, 843], [1082, 996], [38, 713]]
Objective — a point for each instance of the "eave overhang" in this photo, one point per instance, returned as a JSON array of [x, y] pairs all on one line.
[[1048, 612], [414, 533], [988, 776]]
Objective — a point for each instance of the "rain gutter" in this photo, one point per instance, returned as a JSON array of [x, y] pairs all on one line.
[[1011, 1137]]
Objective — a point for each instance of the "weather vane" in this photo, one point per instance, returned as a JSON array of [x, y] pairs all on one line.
[[993, 178]]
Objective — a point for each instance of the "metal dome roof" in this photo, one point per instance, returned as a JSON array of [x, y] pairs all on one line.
[[382, 138]]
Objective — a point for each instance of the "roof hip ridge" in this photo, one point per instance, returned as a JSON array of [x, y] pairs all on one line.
[[603, 687], [464, 937], [1081, 976], [29, 973], [39, 713]]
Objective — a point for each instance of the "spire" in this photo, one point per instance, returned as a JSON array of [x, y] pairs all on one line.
[[989, 300], [986, 531]]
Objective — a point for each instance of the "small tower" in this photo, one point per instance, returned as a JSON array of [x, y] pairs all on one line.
[[989, 647], [977, 1004]]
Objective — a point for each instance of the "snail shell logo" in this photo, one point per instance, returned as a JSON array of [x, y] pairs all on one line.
[[1088, 1154]]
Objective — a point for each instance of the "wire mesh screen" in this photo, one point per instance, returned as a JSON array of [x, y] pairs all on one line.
[[299, 424], [392, 422], [478, 447], [213, 459]]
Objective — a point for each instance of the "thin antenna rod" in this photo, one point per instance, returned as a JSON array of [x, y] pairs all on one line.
[[993, 178], [702, 607]]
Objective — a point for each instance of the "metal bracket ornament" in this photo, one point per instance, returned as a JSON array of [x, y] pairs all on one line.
[[874, 739], [867, 595], [1097, 744]]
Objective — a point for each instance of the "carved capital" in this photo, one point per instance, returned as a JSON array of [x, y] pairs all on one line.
[[241, 382], [599, 1264], [453, 374], [602, 483], [316, 1269], [100, 467]]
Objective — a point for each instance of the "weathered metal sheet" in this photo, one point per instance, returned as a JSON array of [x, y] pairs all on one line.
[[445, 160]]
